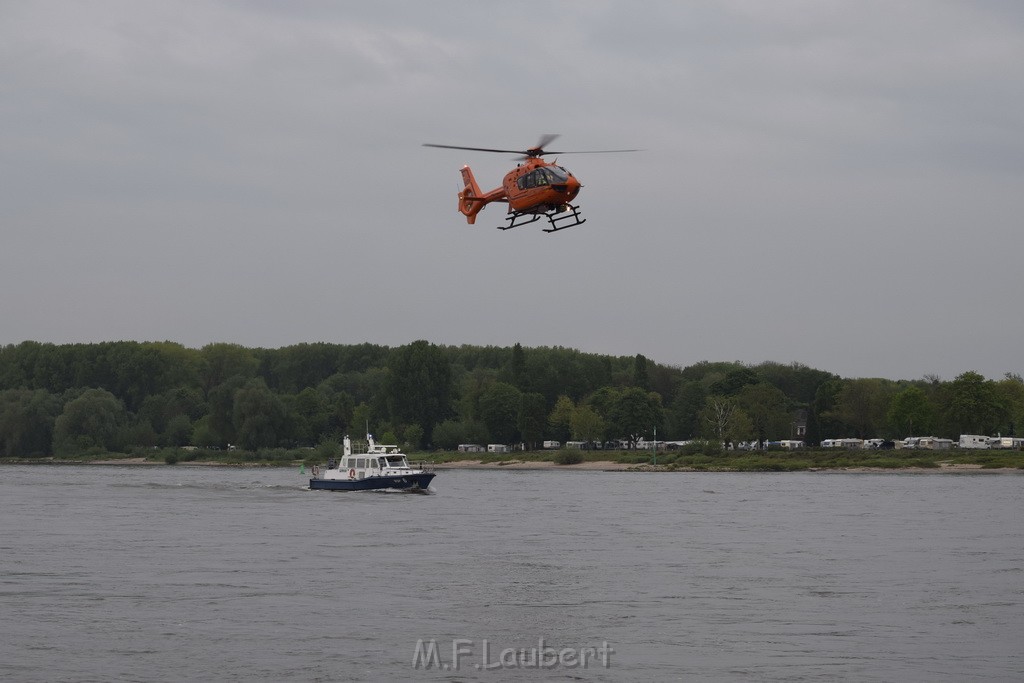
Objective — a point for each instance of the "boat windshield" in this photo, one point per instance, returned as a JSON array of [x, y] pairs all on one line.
[[395, 461]]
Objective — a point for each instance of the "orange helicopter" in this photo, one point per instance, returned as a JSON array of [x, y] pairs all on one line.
[[534, 189]]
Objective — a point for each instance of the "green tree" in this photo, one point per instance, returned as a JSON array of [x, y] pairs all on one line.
[[532, 418], [412, 436], [1010, 396], [560, 418], [471, 385], [587, 425], [823, 411], [293, 368], [26, 422], [766, 407], [723, 421], [861, 406], [258, 416], [911, 412], [362, 420], [734, 380], [641, 375], [682, 413], [797, 381], [340, 419], [218, 363], [132, 370], [204, 436], [448, 435], [93, 420], [418, 386], [178, 432], [160, 408], [518, 367], [138, 433], [311, 415], [220, 427], [499, 410], [634, 413], [972, 407], [603, 402]]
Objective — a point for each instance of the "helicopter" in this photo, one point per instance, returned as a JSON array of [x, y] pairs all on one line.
[[533, 190]]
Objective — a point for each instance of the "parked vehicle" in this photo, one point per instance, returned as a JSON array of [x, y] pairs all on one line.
[[974, 441]]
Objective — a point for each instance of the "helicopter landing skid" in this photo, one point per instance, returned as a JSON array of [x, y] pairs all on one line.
[[556, 219]]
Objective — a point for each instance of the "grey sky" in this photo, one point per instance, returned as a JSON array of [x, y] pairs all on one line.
[[833, 183]]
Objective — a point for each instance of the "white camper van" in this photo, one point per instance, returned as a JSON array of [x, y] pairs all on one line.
[[974, 441]]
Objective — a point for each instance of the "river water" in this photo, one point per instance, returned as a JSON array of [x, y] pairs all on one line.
[[157, 573]]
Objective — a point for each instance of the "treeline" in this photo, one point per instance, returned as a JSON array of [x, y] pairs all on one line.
[[123, 396]]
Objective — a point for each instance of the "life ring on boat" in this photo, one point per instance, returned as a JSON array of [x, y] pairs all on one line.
[[351, 474]]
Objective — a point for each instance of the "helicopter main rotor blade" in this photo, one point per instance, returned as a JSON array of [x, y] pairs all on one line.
[[596, 151], [545, 140], [477, 149], [533, 152]]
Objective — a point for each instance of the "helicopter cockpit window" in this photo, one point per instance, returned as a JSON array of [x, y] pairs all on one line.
[[532, 179], [557, 174]]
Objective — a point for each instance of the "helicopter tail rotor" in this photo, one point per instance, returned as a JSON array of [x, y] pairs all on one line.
[[469, 198]]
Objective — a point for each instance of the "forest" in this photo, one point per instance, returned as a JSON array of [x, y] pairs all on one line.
[[119, 397]]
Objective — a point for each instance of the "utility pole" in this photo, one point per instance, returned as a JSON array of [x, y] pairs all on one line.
[[655, 446]]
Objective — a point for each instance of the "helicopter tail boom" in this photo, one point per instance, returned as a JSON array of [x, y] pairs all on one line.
[[472, 200]]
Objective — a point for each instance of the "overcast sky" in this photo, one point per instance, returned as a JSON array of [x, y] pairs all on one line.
[[833, 183]]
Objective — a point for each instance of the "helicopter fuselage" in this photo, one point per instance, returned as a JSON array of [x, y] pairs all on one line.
[[536, 186], [534, 189]]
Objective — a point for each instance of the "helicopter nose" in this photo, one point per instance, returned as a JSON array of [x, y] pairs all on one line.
[[570, 187], [574, 187]]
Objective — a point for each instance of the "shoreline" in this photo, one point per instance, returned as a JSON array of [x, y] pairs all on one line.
[[611, 466], [547, 465]]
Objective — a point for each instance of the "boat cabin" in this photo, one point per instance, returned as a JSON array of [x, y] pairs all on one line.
[[369, 465], [379, 460]]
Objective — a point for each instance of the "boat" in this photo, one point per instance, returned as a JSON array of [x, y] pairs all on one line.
[[381, 466]]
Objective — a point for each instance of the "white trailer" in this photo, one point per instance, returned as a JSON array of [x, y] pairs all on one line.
[[934, 443], [974, 441]]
